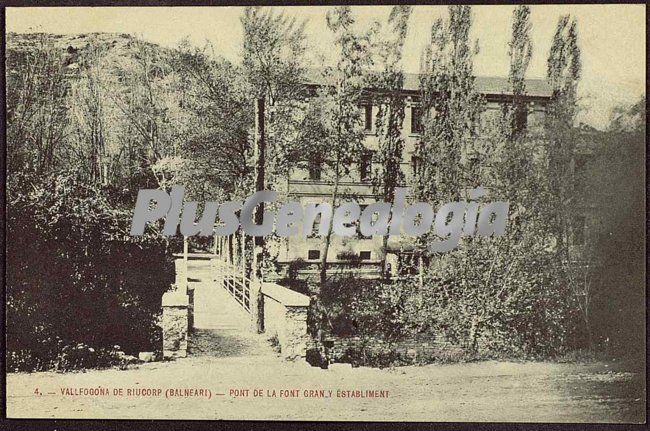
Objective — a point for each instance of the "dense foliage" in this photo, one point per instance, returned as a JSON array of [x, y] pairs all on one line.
[[612, 181], [75, 278]]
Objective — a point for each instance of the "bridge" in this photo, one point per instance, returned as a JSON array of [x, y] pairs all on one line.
[[210, 308]]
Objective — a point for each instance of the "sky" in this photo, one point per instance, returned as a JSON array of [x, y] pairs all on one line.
[[611, 38]]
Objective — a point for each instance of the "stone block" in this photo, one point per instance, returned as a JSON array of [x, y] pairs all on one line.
[[285, 315], [175, 321], [146, 356]]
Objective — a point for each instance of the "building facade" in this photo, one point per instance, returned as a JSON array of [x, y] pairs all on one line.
[[363, 255]]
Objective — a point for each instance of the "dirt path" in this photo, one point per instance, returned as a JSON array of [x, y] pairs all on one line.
[[486, 391], [236, 375]]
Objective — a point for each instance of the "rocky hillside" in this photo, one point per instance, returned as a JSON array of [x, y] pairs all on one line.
[[72, 48]]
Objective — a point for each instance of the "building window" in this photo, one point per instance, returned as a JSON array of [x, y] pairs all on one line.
[[415, 165], [364, 255], [365, 167], [367, 117], [315, 169], [521, 119], [313, 254], [416, 120]]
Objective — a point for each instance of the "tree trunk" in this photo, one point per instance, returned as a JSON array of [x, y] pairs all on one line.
[[328, 237], [231, 249], [384, 248], [256, 298]]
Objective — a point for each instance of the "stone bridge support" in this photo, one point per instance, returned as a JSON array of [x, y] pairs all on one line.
[[284, 310], [285, 316], [177, 314]]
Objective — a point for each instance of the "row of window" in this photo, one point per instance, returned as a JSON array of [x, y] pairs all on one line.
[[315, 255], [416, 119], [365, 167], [520, 119], [359, 235]]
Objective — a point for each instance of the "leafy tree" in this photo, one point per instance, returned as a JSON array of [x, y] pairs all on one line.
[[69, 254], [275, 64], [610, 186], [517, 174], [451, 108], [520, 51], [498, 295], [563, 72], [388, 84], [340, 100], [273, 53], [37, 89], [89, 123], [216, 154]]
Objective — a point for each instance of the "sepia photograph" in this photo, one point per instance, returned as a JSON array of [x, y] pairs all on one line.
[[395, 213]]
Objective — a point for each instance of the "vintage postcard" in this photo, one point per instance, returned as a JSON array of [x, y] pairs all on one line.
[[430, 213]]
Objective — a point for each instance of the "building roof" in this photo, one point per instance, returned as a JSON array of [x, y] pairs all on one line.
[[488, 85]]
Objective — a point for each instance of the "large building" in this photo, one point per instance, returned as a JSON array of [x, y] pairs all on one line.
[[359, 254]]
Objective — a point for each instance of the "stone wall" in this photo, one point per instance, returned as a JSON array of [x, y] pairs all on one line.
[[285, 317], [175, 323], [182, 284], [177, 313]]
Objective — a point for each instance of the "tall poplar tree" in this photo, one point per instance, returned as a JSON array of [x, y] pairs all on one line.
[[563, 73], [389, 84], [520, 51], [273, 60], [513, 154], [274, 63], [451, 108], [342, 114]]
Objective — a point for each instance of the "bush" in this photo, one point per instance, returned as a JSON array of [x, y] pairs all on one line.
[[500, 301], [68, 358], [492, 298], [76, 278], [350, 306], [374, 357], [292, 281]]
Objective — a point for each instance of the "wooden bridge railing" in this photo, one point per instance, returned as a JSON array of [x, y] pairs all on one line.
[[284, 312], [234, 281]]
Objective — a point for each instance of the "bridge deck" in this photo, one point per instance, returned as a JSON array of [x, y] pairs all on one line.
[[221, 326]]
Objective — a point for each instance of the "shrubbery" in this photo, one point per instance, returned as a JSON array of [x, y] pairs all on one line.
[[76, 278], [491, 298], [496, 301], [350, 306]]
